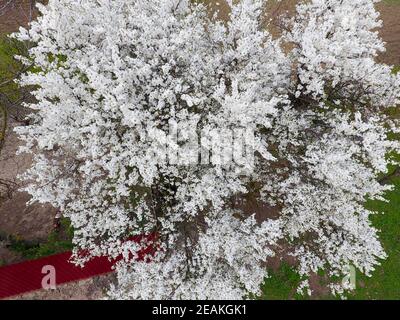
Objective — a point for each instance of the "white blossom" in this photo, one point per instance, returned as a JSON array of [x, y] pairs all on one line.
[[111, 78]]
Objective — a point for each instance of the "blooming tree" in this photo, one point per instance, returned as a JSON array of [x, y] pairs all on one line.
[[125, 86]]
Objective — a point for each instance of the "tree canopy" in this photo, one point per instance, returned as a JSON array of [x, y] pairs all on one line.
[[154, 118]]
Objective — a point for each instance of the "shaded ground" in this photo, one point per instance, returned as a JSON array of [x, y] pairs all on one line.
[[16, 13], [17, 219], [390, 14]]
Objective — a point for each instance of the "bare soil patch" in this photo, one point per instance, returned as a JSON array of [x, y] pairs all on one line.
[[16, 13], [29, 222], [390, 14]]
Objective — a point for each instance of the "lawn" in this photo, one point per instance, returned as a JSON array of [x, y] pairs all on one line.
[[8, 66], [384, 284]]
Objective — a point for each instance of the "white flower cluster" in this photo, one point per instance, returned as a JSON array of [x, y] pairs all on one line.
[[111, 75]]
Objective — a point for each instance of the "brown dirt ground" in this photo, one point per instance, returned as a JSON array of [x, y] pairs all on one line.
[[15, 13], [30, 222], [35, 221]]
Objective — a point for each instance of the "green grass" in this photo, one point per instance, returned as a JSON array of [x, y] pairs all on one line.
[[56, 242]]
